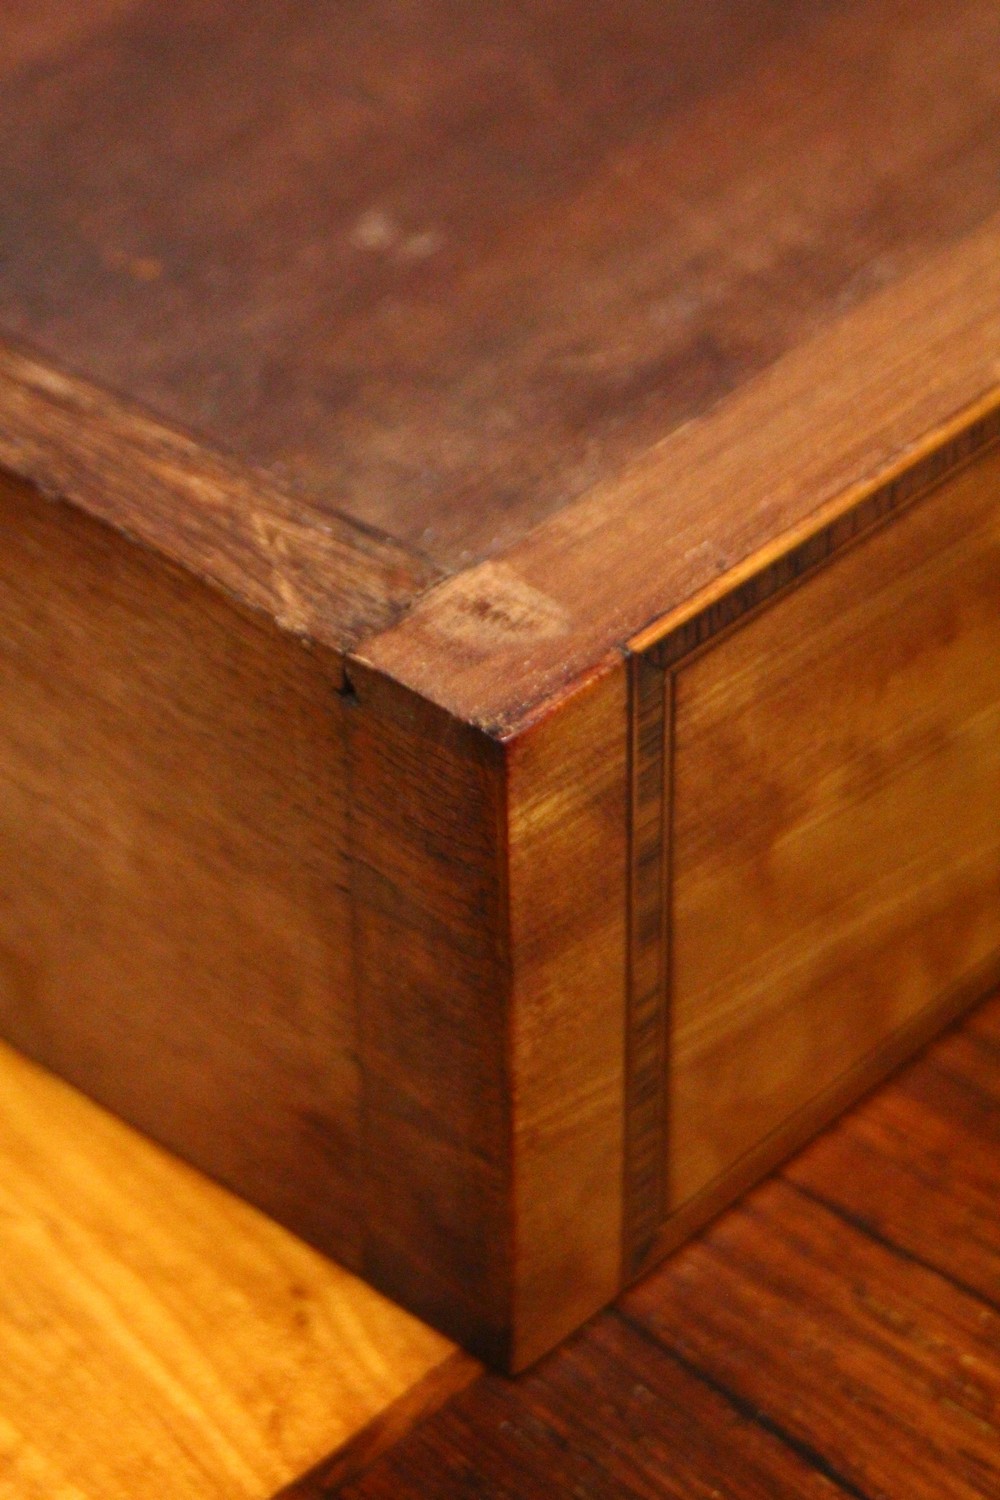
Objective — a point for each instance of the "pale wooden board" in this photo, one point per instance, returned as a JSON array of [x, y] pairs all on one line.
[[159, 1337]]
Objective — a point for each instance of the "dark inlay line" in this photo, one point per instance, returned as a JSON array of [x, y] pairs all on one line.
[[821, 547], [805, 1451], [646, 1024]]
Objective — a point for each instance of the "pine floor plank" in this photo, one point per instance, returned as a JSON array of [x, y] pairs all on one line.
[[158, 1336]]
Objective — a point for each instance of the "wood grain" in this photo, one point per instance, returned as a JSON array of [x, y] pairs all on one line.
[[917, 1165], [363, 963], [175, 935], [896, 1368], [814, 1116], [427, 826], [647, 1010], [836, 1335], [444, 268], [385, 1430], [318, 577], [608, 1415], [158, 1335], [400, 369], [491, 1041], [695, 522], [836, 844], [567, 791]]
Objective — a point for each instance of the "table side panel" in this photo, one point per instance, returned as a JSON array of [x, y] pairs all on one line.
[[174, 928], [835, 858], [568, 819], [427, 831]]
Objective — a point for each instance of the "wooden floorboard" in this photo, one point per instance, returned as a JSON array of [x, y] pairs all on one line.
[[838, 1333]]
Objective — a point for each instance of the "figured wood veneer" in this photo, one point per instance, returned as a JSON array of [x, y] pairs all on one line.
[[523, 422], [835, 843]]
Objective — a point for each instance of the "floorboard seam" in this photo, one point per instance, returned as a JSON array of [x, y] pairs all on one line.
[[955, 1075], [746, 1409], [863, 1226]]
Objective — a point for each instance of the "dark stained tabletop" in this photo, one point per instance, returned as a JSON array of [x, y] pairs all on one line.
[[442, 267]]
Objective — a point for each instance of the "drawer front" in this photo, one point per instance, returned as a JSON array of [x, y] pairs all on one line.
[[816, 841]]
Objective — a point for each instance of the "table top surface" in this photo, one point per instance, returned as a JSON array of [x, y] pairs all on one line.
[[529, 321], [157, 1335], [442, 269]]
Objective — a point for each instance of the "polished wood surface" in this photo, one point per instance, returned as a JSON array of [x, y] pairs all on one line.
[[568, 833], [427, 873], [442, 268], [835, 823], [318, 577], [782, 474], [837, 1334], [157, 1335], [500, 869], [377, 383]]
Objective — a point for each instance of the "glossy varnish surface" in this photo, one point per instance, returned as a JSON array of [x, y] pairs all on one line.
[[399, 372]]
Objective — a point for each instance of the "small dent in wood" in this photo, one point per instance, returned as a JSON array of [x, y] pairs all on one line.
[[496, 607], [347, 692]]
